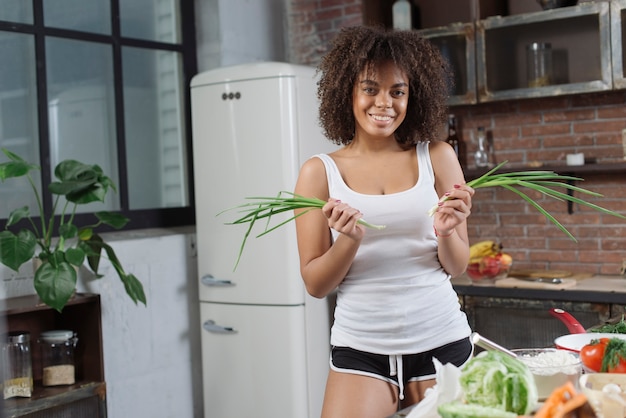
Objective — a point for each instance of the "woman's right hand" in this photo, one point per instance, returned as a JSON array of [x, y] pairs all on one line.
[[343, 218]]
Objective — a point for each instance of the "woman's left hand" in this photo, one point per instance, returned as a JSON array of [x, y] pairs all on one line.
[[454, 208]]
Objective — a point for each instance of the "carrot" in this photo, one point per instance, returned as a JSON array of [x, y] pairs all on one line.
[[554, 406]]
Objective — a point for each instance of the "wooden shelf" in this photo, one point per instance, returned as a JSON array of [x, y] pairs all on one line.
[[578, 170], [82, 315]]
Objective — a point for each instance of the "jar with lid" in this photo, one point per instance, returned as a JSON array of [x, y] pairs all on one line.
[[17, 371], [57, 357], [539, 64]]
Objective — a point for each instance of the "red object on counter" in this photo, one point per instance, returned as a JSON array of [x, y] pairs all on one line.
[[573, 326]]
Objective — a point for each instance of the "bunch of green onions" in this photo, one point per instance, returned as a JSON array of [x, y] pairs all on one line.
[[266, 207], [543, 182], [540, 181]]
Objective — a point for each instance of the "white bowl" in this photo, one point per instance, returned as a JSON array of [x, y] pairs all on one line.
[[574, 342], [551, 368], [606, 401]]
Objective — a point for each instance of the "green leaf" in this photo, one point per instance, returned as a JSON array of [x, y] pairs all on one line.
[[15, 250], [134, 288], [68, 231], [80, 183], [75, 256], [55, 283], [17, 167], [17, 215], [116, 220]]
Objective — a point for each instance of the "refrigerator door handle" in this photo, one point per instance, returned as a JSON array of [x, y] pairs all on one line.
[[211, 326], [209, 280]]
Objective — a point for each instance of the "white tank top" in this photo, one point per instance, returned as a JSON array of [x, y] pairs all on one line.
[[396, 298]]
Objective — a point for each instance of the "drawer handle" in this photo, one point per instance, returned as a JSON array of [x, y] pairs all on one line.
[[211, 326], [210, 281]]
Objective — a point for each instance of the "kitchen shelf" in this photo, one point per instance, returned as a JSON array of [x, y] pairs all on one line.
[[581, 44], [572, 170], [456, 43], [82, 314]]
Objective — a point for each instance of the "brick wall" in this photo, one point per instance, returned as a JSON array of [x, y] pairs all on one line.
[[544, 130], [524, 131], [313, 23]]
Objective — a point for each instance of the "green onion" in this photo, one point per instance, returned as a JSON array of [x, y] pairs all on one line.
[[541, 181], [266, 207]]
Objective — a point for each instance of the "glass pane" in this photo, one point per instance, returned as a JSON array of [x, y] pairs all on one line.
[[151, 20], [88, 16], [17, 11], [18, 117], [153, 115], [81, 109]]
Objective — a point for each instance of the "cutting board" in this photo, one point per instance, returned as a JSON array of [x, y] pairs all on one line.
[[511, 282], [549, 273]]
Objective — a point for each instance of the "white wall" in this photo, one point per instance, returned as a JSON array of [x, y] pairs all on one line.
[[230, 32]]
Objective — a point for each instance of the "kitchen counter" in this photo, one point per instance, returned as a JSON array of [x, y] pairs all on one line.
[[596, 289]]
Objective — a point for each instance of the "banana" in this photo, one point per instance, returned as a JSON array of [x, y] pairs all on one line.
[[484, 248]]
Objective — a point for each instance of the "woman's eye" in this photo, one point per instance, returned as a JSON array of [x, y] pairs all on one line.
[[369, 90], [399, 93]]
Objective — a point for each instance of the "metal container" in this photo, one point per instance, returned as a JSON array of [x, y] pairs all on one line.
[[17, 371]]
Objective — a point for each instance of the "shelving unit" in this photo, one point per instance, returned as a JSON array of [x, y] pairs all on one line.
[[580, 37], [456, 43], [618, 42], [87, 397]]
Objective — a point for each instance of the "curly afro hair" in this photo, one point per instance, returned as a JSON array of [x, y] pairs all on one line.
[[359, 48]]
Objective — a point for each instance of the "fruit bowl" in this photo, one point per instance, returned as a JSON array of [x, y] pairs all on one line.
[[488, 269]]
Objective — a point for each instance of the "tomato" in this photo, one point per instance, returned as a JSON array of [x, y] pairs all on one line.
[[592, 354]]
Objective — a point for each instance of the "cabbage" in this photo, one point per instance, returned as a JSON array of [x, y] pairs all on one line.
[[496, 380], [468, 410]]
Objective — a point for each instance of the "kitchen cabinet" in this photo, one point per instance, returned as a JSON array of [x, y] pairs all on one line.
[[85, 398], [520, 317], [580, 38]]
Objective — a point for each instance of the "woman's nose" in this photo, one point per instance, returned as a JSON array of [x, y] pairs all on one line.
[[383, 102]]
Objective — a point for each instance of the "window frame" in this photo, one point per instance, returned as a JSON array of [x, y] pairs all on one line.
[[139, 218]]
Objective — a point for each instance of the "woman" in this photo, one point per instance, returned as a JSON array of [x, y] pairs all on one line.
[[382, 96]]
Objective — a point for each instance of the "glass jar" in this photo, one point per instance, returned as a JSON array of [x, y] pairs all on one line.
[[539, 64], [481, 158], [17, 371], [57, 357]]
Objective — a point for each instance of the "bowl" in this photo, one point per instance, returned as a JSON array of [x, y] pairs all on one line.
[[574, 342], [555, 4], [487, 271], [606, 393], [551, 368]]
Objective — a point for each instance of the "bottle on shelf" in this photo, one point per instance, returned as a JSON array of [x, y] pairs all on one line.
[[481, 156], [401, 15], [455, 142]]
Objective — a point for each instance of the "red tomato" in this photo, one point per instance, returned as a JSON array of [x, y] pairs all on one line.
[[592, 354]]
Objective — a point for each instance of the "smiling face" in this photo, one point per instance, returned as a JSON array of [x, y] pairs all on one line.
[[381, 97]]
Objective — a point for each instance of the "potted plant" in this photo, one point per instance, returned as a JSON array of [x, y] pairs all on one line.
[[57, 258]]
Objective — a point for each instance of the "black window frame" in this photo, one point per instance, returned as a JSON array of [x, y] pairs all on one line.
[[143, 218]]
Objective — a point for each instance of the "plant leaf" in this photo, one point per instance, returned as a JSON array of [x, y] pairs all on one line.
[[68, 231], [15, 250], [55, 283], [17, 167], [17, 215], [134, 288], [116, 220], [75, 256]]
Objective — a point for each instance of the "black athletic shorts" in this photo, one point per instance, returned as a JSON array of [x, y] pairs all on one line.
[[415, 367]]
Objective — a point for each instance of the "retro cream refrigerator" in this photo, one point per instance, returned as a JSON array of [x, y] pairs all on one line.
[[265, 342]]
